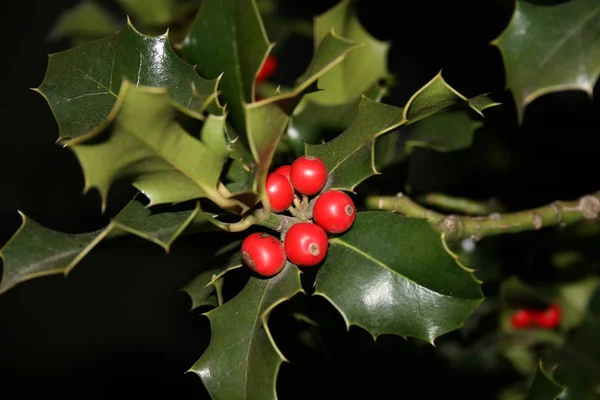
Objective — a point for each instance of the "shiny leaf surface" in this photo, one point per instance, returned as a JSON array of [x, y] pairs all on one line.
[[550, 48], [242, 360], [82, 84], [408, 284]]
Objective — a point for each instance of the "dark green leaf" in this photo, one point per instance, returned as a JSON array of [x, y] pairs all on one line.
[[544, 387], [146, 142], [85, 21], [350, 156], [280, 27], [408, 284], [362, 69], [550, 48], [202, 293], [242, 360], [227, 37], [35, 250], [82, 84]]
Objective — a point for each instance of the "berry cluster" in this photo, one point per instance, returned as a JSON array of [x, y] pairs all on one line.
[[305, 243], [546, 319]]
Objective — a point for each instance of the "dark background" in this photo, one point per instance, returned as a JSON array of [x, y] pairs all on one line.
[[118, 325]]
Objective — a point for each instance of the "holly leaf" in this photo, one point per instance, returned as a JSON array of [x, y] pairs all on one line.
[[85, 21], [544, 387], [408, 284], [243, 363], [202, 293], [444, 132], [146, 141], [82, 84], [35, 251], [157, 12], [362, 69], [550, 48], [266, 120], [280, 27], [350, 157], [227, 38]]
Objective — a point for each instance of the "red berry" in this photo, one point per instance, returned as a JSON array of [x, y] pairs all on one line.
[[334, 211], [268, 69], [308, 175], [549, 318], [284, 170], [522, 319], [305, 244], [263, 253], [279, 191]]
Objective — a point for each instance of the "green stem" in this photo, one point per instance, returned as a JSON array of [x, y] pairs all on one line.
[[458, 226], [460, 204]]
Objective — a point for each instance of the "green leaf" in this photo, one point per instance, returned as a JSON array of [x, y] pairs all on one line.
[[147, 143], [87, 20], [81, 84], [35, 251], [266, 120], [202, 293], [544, 387], [408, 284], [157, 12], [227, 37], [550, 48], [350, 157], [280, 27], [362, 69], [312, 122], [242, 360]]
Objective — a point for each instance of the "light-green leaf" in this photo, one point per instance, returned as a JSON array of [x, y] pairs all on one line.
[[544, 387], [85, 21], [35, 251], [146, 141], [82, 84], [227, 37], [242, 362], [362, 69], [157, 12], [550, 48], [408, 284]]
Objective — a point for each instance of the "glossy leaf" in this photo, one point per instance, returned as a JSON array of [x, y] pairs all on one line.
[[35, 251], [408, 284], [550, 48], [242, 360], [85, 21], [82, 84], [227, 37], [444, 132], [350, 157], [362, 69], [266, 120], [157, 12], [147, 143], [544, 387]]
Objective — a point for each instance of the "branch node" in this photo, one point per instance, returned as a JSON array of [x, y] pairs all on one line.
[[495, 216], [589, 206], [537, 221]]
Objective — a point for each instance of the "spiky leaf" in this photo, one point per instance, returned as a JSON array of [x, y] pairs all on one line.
[[408, 284], [147, 142], [85, 21], [360, 70], [227, 37], [242, 362], [202, 293], [550, 48], [82, 84], [35, 250], [544, 387]]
